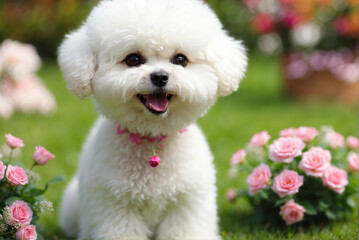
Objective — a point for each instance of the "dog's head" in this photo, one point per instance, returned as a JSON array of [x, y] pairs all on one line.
[[153, 66]]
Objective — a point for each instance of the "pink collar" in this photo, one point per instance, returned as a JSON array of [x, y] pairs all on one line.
[[136, 138]]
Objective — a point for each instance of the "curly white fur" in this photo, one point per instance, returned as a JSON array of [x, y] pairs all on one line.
[[115, 193]]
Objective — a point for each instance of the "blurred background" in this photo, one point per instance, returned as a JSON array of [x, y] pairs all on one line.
[[303, 71]]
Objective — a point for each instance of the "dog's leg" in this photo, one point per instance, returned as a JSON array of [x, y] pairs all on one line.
[[69, 209], [193, 217], [102, 217]]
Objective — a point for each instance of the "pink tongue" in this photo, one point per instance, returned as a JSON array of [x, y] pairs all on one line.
[[157, 102]]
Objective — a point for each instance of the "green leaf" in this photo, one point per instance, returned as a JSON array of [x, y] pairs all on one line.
[[263, 194], [330, 215], [243, 193], [351, 202], [322, 206], [280, 201], [57, 179], [309, 208], [10, 200], [37, 191]]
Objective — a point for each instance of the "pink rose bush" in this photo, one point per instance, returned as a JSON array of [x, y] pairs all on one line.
[[20, 200], [303, 173]]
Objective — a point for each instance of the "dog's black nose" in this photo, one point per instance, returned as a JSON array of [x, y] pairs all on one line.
[[159, 78]]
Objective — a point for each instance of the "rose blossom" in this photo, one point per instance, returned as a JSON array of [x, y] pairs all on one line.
[[285, 149], [260, 139], [287, 183], [26, 233], [315, 161], [2, 170], [238, 157], [335, 140], [259, 178], [13, 142], [292, 212], [16, 176], [307, 134], [288, 132], [20, 213], [231, 195], [352, 142], [42, 156], [353, 159], [335, 178], [154, 161]]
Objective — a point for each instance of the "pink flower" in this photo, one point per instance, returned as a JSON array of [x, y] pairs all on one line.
[[121, 131], [263, 23], [352, 142], [307, 134], [16, 176], [231, 195], [287, 183], [288, 132], [315, 161], [238, 157], [154, 161], [353, 159], [13, 142], [335, 178], [21, 213], [42, 156], [285, 149], [135, 138], [292, 212], [26, 233], [335, 140], [259, 178], [2, 170], [260, 139]]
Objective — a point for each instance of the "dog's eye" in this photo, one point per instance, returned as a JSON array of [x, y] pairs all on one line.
[[134, 60], [180, 59]]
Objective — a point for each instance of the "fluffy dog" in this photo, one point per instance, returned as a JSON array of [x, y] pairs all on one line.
[[152, 67]]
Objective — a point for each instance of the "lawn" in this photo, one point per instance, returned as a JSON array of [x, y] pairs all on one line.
[[258, 105]]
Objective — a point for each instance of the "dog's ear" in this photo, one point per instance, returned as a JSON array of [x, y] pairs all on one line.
[[77, 63], [228, 58]]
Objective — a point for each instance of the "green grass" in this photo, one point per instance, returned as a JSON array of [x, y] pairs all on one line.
[[258, 105]]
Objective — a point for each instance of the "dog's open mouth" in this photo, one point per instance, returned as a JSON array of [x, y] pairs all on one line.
[[156, 103]]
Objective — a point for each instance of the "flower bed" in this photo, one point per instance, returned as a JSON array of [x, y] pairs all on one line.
[[304, 175]]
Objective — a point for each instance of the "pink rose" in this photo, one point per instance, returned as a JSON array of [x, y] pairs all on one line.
[[307, 134], [13, 142], [2, 170], [154, 161], [231, 195], [21, 213], [352, 142], [287, 183], [16, 176], [26, 233], [315, 161], [288, 132], [260, 139], [285, 149], [238, 157], [353, 159], [263, 23], [335, 178], [42, 156], [259, 178], [335, 140], [292, 212]]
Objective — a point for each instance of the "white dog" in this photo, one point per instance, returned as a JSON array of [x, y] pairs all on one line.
[[152, 67]]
